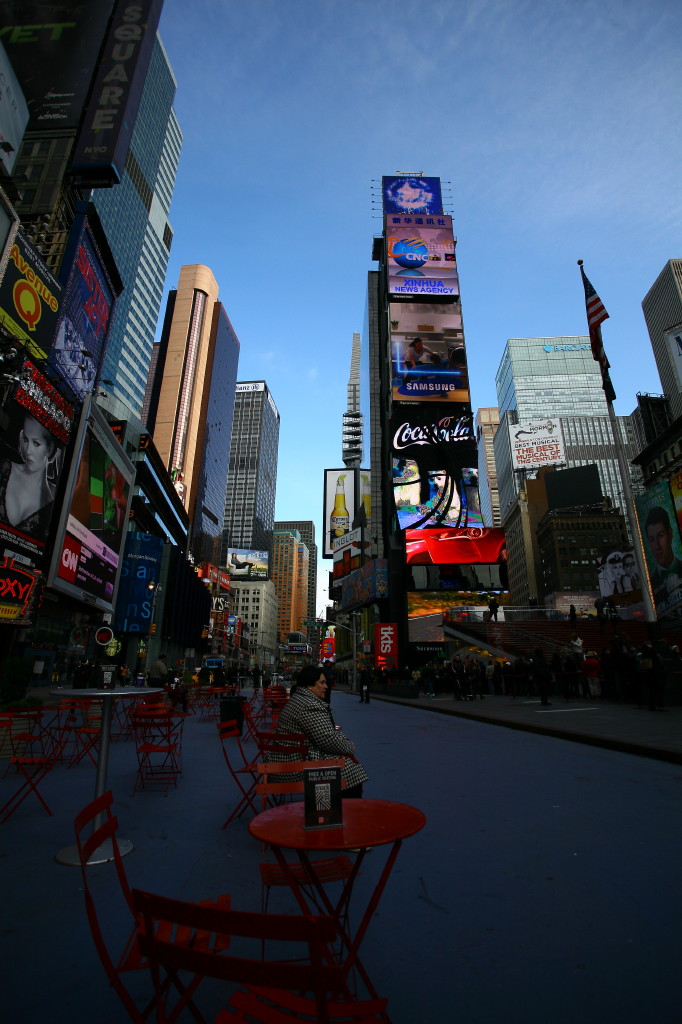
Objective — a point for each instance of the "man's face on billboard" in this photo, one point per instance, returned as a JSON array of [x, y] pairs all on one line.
[[661, 543]]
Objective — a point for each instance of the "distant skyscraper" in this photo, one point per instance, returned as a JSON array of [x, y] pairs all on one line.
[[290, 561], [306, 530], [189, 403], [662, 308], [134, 215], [252, 480], [486, 423], [558, 378], [352, 417]]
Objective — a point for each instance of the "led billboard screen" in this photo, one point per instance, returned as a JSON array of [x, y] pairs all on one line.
[[428, 358], [36, 426], [403, 193], [88, 305], [456, 547], [536, 443], [435, 482], [87, 556], [243, 564], [485, 577], [140, 573], [428, 613], [421, 257], [30, 299], [662, 545]]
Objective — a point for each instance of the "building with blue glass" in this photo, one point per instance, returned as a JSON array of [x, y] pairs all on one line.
[[134, 215]]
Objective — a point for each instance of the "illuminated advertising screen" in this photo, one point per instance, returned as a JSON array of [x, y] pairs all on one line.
[[430, 614], [462, 547], [243, 564], [53, 47], [536, 443], [21, 592], [404, 193], [339, 507], [479, 576], [78, 351], [37, 424], [30, 299], [662, 545], [88, 552], [434, 460], [428, 358], [140, 574], [619, 577], [364, 585], [421, 258]]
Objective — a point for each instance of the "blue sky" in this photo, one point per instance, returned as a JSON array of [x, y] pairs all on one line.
[[556, 125]]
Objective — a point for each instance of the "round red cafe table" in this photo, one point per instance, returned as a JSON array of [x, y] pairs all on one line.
[[366, 824]]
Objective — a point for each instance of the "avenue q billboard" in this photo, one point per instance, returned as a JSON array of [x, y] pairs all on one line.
[[536, 443], [421, 257]]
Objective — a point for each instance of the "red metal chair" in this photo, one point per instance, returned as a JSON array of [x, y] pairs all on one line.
[[33, 769], [88, 735], [158, 744], [277, 991], [98, 820]]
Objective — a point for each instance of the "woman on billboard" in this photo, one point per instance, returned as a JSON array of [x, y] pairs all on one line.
[[27, 487]]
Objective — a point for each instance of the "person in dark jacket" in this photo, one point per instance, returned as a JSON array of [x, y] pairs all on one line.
[[541, 673], [307, 712]]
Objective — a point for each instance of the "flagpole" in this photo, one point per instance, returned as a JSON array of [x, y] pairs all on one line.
[[631, 515], [596, 314]]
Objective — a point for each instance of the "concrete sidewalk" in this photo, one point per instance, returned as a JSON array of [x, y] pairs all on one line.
[[601, 723]]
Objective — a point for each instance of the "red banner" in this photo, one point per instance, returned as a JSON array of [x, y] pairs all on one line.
[[385, 645]]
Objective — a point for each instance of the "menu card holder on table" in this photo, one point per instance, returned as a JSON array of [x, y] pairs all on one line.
[[322, 798]]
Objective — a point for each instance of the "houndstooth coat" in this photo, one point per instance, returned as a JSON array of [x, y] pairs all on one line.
[[306, 713]]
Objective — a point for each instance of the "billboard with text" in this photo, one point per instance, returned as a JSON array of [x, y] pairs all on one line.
[[421, 258], [536, 443], [428, 357]]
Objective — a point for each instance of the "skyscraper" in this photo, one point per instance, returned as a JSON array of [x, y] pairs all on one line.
[[487, 421], [249, 510], [190, 399], [306, 530], [662, 308], [290, 561], [134, 215], [557, 377]]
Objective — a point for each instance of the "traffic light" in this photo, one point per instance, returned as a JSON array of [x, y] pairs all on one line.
[[152, 629], [204, 633]]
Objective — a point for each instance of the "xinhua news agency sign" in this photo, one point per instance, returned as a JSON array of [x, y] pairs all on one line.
[[385, 645]]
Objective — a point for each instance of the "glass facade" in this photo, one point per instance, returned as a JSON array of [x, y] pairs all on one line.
[[541, 377], [135, 218], [252, 473], [207, 525]]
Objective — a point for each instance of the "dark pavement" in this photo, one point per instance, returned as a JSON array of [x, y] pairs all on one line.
[[545, 885]]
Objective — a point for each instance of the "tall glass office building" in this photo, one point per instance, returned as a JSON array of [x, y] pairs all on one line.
[[135, 218], [252, 475], [558, 378]]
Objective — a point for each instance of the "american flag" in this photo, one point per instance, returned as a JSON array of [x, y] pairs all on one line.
[[596, 315]]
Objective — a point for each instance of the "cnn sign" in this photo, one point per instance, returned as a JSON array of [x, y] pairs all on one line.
[[386, 645]]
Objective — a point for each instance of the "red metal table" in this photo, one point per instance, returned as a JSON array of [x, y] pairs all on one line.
[[366, 824]]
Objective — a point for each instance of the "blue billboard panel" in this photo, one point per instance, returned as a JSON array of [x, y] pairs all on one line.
[[421, 257], [411, 194], [140, 574]]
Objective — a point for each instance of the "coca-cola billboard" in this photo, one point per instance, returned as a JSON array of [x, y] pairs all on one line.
[[434, 466]]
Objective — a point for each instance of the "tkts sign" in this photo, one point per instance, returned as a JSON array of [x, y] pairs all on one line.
[[385, 645]]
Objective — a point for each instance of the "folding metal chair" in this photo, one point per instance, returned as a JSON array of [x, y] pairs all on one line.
[[33, 770], [96, 826], [309, 989], [158, 744]]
